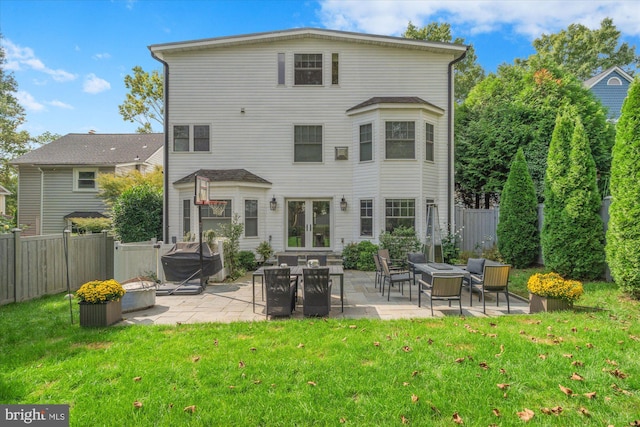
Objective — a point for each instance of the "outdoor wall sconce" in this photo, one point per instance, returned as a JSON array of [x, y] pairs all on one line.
[[273, 204], [343, 204]]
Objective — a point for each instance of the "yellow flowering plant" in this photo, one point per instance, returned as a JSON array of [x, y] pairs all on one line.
[[99, 292], [552, 285]]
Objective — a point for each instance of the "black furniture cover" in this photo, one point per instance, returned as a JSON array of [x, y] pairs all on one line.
[[182, 262]]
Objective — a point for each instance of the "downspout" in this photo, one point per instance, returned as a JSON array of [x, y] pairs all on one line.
[[450, 153], [165, 213]]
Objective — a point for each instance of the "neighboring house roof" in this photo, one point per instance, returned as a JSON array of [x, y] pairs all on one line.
[[595, 79], [4, 191], [218, 175], [82, 214], [376, 100], [300, 33], [95, 149]]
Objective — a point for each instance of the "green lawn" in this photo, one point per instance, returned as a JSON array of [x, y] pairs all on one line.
[[329, 372]]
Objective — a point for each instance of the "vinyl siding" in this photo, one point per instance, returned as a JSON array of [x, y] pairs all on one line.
[[212, 86], [612, 96], [29, 206]]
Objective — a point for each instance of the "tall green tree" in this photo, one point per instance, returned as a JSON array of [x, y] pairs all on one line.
[[144, 103], [468, 72], [113, 185], [587, 52], [518, 238], [623, 232], [137, 214]]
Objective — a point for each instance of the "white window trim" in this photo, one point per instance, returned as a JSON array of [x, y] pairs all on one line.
[[416, 139], [76, 177], [373, 213], [257, 218], [425, 141], [324, 68], [293, 144], [373, 138], [192, 136]]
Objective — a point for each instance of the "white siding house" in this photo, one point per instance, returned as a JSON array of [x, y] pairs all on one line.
[[349, 134]]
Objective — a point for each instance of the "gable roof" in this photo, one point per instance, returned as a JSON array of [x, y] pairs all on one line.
[[218, 175], [457, 50], [598, 77], [377, 100], [4, 191], [95, 149]]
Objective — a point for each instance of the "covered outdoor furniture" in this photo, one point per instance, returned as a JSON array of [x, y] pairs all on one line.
[[394, 276], [181, 266], [444, 288], [317, 291], [495, 279], [281, 292]]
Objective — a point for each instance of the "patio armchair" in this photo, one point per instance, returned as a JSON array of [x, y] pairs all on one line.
[[475, 267], [394, 264], [415, 258], [379, 271], [495, 279], [394, 276], [290, 261], [444, 288], [317, 291], [281, 292]]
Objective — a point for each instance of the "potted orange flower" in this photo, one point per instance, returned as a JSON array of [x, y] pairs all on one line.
[[100, 302], [550, 292]]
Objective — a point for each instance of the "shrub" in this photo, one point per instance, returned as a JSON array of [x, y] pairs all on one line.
[[623, 233], [552, 285], [91, 225], [359, 256], [265, 250], [400, 241], [247, 260], [137, 214], [518, 239], [350, 255]]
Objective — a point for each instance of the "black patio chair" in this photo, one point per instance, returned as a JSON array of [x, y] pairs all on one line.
[[316, 287], [281, 292]]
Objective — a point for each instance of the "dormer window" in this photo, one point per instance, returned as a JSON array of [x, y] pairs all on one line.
[[614, 81], [308, 69]]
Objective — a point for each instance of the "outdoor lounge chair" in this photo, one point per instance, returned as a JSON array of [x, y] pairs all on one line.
[[281, 292], [445, 288], [495, 279], [394, 276], [317, 291]]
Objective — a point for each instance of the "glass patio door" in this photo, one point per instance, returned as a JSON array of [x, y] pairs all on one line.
[[308, 224]]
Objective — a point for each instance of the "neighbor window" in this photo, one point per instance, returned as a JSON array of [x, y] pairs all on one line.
[[400, 140], [399, 212], [429, 143], [281, 68], [366, 217], [366, 142], [213, 222], [201, 138], [308, 68], [334, 69], [614, 81], [250, 218], [307, 143], [186, 216], [85, 179], [181, 138]]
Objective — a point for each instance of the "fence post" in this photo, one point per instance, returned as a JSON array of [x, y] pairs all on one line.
[[17, 262]]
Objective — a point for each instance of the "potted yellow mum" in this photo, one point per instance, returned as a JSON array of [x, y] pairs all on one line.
[[550, 292], [100, 302]]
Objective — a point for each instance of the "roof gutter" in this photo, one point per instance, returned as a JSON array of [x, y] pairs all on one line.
[[450, 151], [165, 213]]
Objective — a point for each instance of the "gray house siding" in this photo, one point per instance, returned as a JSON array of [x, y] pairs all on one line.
[[611, 96], [29, 196]]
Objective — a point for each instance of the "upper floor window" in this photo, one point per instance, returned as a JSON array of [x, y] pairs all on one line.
[[307, 141], [400, 140], [250, 218], [366, 142], [308, 68], [281, 68], [366, 217], [429, 145], [614, 81], [85, 179], [334, 69], [399, 212], [182, 138]]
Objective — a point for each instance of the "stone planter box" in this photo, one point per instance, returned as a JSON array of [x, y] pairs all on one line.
[[538, 304], [100, 315]]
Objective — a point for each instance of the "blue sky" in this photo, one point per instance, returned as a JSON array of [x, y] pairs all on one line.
[[70, 57]]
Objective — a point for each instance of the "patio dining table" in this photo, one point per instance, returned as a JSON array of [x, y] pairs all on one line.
[[297, 270], [437, 269]]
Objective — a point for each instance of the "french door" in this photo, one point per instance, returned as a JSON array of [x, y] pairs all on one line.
[[308, 224]]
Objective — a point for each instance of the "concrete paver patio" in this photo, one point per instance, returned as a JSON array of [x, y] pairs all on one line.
[[232, 302]]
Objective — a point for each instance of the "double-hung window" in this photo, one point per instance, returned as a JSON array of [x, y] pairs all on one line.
[[308, 69], [307, 141], [399, 212], [429, 144], [85, 179], [186, 216], [366, 142], [250, 218], [366, 218], [181, 138], [400, 138], [196, 138]]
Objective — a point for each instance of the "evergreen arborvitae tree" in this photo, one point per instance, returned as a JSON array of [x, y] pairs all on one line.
[[585, 250], [518, 239], [623, 233], [555, 234]]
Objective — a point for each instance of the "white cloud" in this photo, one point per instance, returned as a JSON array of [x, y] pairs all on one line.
[[19, 58], [525, 17], [94, 84], [60, 104], [99, 56], [29, 102]]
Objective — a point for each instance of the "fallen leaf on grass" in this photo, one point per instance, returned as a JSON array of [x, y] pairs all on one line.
[[352, 326], [137, 404], [343, 420], [376, 344], [526, 415], [414, 398], [496, 412], [404, 419], [501, 350], [300, 345], [612, 362], [584, 411], [568, 356], [253, 349], [566, 390], [590, 395], [618, 373], [589, 345], [414, 373], [241, 364], [574, 329], [312, 383], [484, 365], [137, 379], [195, 359], [405, 384], [257, 381], [406, 348], [619, 390], [457, 419], [542, 356], [191, 409], [459, 360], [503, 386], [576, 377], [577, 363], [215, 342], [429, 341]]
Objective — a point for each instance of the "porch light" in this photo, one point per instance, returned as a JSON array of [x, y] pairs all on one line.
[[273, 204], [343, 204]]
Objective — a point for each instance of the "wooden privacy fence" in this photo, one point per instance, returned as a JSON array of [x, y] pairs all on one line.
[[31, 267]]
